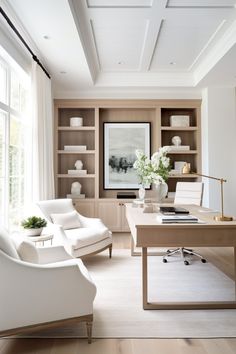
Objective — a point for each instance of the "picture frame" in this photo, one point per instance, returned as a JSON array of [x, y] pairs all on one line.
[[121, 140]]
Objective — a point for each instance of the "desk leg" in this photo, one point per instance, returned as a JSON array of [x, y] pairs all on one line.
[[145, 277]]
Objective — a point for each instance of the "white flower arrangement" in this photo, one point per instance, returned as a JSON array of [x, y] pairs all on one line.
[[155, 170]]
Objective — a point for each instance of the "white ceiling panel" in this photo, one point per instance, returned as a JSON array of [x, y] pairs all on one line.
[[119, 3], [119, 44], [201, 3], [179, 44]]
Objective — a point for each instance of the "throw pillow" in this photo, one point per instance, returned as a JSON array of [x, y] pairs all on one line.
[[67, 220], [27, 251], [6, 244]]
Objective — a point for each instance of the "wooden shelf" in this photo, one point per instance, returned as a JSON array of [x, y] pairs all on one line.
[[184, 176], [66, 175], [76, 152], [75, 128], [179, 128]]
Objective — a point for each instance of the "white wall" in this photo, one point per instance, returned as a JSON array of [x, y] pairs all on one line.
[[219, 146]]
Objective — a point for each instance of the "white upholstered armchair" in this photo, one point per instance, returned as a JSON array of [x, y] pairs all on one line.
[[42, 287], [80, 235]]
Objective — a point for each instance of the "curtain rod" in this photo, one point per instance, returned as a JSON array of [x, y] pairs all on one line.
[[3, 13]]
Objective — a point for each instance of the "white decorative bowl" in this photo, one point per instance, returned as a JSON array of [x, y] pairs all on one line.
[[33, 232]]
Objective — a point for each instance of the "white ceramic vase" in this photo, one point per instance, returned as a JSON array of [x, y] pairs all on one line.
[[160, 191], [141, 192]]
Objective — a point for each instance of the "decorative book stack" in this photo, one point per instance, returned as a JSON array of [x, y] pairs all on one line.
[[178, 147], [75, 147], [77, 172], [75, 196], [179, 219]]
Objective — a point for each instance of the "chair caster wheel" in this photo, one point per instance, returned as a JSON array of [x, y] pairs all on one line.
[[164, 260], [186, 262], [203, 260]]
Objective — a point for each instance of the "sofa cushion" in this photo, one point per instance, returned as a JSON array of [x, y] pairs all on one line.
[[27, 251], [67, 220], [6, 244], [86, 236]]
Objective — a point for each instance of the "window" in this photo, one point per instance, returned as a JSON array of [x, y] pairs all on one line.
[[14, 140]]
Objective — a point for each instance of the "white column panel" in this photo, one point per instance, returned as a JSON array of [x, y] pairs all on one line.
[[219, 145]]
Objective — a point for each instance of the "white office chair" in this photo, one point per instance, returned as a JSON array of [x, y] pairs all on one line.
[[81, 236], [187, 193], [42, 287]]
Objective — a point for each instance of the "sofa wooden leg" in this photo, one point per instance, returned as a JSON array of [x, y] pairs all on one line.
[[89, 326], [110, 251]]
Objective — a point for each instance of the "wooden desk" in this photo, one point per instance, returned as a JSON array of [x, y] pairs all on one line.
[[148, 232]]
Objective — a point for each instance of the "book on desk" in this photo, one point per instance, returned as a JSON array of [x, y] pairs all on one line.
[[179, 219], [167, 210]]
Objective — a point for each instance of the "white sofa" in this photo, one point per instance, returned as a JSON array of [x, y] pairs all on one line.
[[90, 237], [55, 289]]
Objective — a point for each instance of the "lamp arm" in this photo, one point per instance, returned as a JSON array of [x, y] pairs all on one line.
[[222, 180]]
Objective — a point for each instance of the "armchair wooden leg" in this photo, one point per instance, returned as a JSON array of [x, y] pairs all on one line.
[[110, 251], [89, 326]]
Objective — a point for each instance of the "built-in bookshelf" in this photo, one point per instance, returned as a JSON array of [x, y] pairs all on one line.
[[99, 201]]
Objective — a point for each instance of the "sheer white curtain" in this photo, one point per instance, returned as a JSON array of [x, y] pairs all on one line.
[[42, 142]]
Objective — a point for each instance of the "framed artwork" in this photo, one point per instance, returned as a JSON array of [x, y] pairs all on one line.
[[121, 140]]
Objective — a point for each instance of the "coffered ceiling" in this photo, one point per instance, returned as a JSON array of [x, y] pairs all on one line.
[[139, 44]]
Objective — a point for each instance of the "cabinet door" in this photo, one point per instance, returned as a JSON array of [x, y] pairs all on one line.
[[124, 222], [85, 208], [110, 214]]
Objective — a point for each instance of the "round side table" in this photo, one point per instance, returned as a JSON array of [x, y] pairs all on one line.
[[41, 238]]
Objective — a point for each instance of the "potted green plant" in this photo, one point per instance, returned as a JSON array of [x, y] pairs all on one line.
[[33, 225]]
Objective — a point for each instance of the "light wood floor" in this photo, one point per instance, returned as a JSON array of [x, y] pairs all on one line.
[[222, 258]]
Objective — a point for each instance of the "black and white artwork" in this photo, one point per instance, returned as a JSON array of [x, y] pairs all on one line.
[[121, 140]]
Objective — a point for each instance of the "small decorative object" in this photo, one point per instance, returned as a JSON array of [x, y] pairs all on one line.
[[186, 168], [179, 165], [33, 225], [75, 189], [141, 192], [78, 165], [154, 171], [176, 140], [179, 121], [76, 121]]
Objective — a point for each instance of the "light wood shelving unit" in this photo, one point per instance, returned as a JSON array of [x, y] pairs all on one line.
[[98, 201]]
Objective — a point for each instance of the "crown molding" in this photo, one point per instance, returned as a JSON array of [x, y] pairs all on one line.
[[225, 43]]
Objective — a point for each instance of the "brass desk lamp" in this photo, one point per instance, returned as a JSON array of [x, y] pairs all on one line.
[[221, 217]]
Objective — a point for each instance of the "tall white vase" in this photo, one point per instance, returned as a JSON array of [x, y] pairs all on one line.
[[141, 192], [160, 191]]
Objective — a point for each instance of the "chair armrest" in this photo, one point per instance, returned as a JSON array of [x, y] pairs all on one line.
[[43, 293], [91, 222], [52, 254]]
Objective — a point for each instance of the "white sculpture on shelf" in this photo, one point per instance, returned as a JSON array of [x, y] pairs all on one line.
[[176, 140], [75, 188], [78, 165]]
